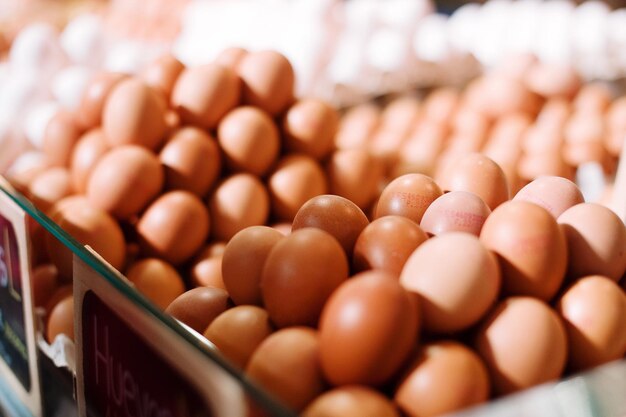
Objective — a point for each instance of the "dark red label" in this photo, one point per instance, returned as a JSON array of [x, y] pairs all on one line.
[[124, 377]]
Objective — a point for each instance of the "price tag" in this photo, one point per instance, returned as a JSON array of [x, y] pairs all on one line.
[[18, 355], [131, 364]]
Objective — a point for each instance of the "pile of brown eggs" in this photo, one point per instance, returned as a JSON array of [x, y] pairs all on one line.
[[421, 259]]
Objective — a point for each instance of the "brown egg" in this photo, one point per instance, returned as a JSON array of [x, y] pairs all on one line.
[[583, 128], [553, 80], [456, 211], [351, 401], [134, 114], [61, 319], [44, 282], [532, 167], [268, 81], [338, 216], [49, 187], [355, 175], [249, 139], [174, 226], [420, 151], [596, 241], [198, 307], [162, 73], [554, 114], [456, 278], [284, 228], [206, 268], [408, 196], [295, 180], [238, 332], [386, 244], [357, 126], [440, 105], [479, 175], [594, 313], [61, 134], [469, 122], [299, 274], [530, 246], [20, 177], [59, 294], [242, 279], [523, 343], [309, 127], [89, 226], [367, 330], [191, 161], [204, 94], [231, 57], [240, 201], [95, 95], [157, 280], [593, 98], [445, 376], [287, 365], [616, 123], [87, 152], [555, 194], [400, 115], [125, 180], [500, 95]]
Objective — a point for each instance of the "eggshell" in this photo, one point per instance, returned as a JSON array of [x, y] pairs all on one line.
[[206, 267], [354, 174], [202, 95], [191, 161], [242, 279], [268, 81], [125, 180], [238, 332], [309, 127], [441, 104], [357, 126], [249, 139], [287, 365], [157, 280], [61, 319], [198, 307], [456, 278], [351, 401], [530, 246], [299, 274], [596, 241], [553, 80], [555, 194], [231, 57], [594, 312], [295, 180], [60, 136], [174, 226], [367, 330], [456, 211], [134, 114], [88, 150], [593, 98], [336, 215], [162, 73], [44, 282], [240, 201], [445, 376], [523, 343], [386, 244], [49, 187], [408, 196], [500, 95], [95, 95]]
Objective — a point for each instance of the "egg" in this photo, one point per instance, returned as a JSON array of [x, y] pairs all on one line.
[[336, 215], [157, 280], [231, 57], [240, 201], [420, 151], [530, 246], [243, 279], [523, 343], [299, 274], [441, 104], [456, 211], [61, 319], [309, 127], [386, 244], [593, 98], [354, 174], [125, 180], [357, 126], [198, 307], [456, 278], [206, 267], [555, 194], [287, 365], [553, 80], [134, 114], [596, 241], [95, 95], [594, 312], [408, 196], [60, 136], [44, 282], [445, 376], [162, 73], [249, 139], [238, 332], [49, 187], [351, 401], [191, 161], [204, 94], [88, 150], [367, 330], [174, 227], [295, 180], [268, 81]]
